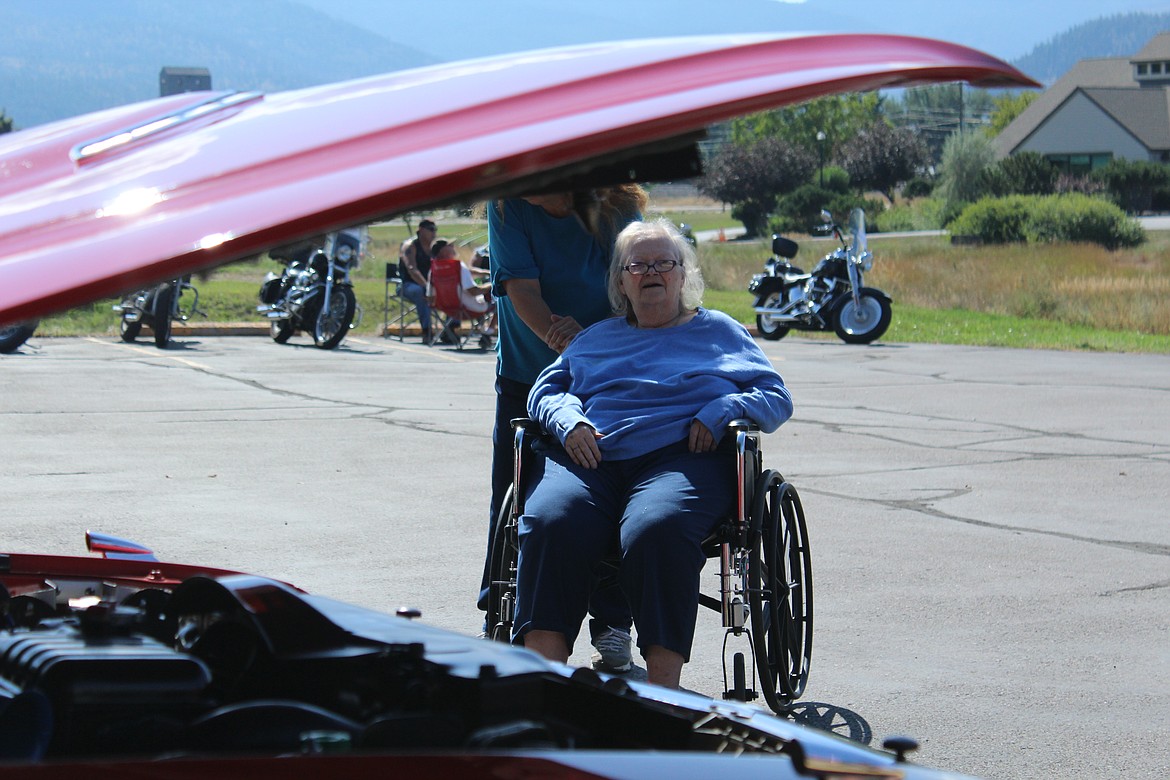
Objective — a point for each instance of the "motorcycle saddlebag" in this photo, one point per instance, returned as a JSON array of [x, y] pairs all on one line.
[[270, 289]]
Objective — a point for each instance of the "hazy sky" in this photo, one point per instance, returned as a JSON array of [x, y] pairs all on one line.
[[455, 29]]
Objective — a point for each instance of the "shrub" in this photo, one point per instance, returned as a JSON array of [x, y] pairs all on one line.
[[1084, 219], [800, 210], [1046, 219], [1025, 173], [923, 214], [836, 179], [1132, 183], [894, 219], [965, 157], [993, 220], [1085, 185], [918, 187]]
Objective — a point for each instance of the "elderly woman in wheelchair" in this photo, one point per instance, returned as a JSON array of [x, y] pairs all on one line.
[[638, 405]]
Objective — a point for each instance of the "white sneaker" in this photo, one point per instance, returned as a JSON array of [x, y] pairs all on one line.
[[614, 651]]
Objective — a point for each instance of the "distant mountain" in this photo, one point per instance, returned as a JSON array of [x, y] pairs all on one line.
[[67, 57], [1119, 35]]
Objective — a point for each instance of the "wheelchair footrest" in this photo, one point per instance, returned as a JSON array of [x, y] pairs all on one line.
[[748, 695]]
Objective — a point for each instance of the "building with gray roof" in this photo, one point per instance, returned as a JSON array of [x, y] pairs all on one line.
[[1100, 110]]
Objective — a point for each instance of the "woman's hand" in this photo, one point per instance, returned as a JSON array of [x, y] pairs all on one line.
[[561, 332], [581, 444], [701, 438]]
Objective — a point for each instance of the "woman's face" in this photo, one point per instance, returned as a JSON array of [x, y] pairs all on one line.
[[654, 289]]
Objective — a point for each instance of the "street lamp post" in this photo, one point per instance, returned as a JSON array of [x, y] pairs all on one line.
[[821, 154]]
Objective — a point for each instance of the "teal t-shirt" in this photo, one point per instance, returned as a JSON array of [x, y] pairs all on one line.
[[527, 243]]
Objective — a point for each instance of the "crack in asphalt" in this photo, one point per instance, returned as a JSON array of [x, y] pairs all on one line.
[[360, 410], [924, 507], [1138, 588], [1011, 433]]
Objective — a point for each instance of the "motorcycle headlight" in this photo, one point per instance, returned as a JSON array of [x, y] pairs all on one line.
[[345, 254]]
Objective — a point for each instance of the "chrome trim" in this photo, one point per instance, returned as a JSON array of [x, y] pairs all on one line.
[[121, 138]]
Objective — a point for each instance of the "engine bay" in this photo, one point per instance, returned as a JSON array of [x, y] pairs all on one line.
[[237, 664]]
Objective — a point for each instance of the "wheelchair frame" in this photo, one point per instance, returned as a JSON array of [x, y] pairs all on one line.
[[765, 573]]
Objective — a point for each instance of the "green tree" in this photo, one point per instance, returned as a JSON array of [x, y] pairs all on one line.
[[5, 122], [752, 176], [837, 117], [965, 158], [1006, 107], [881, 157]]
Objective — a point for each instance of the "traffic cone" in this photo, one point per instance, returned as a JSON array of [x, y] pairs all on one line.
[[721, 236]]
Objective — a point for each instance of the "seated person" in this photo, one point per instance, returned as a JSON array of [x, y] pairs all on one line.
[[481, 261], [639, 404], [475, 298]]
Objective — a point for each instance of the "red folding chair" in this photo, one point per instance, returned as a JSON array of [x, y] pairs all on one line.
[[444, 286]]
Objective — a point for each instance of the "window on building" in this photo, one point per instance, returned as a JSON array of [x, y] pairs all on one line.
[[1155, 68], [1079, 164], [1142, 69]]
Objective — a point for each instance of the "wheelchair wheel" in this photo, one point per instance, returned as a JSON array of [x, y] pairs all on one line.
[[501, 611], [780, 591]]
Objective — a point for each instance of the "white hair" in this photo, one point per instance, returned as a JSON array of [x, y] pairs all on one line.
[[693, 287]]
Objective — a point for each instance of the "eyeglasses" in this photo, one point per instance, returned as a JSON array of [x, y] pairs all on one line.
[[658, 266]]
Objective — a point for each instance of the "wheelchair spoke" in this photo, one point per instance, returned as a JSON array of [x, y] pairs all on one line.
[[781, 592], [501, 612]]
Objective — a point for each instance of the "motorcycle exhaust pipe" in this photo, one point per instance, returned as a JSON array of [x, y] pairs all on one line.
[[274, 314]]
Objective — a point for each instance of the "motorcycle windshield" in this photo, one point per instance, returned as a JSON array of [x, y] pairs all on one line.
[[857, 228]]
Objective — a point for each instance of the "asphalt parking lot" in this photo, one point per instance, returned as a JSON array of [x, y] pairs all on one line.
[[989, 527]]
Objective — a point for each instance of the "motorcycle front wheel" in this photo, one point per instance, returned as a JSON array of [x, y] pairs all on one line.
[[334, 318], [864, 323], [768, 327], [164, 302], [281, 330], [129, 330], [12, 336]]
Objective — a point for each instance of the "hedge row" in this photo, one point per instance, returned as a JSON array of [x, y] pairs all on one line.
[[1047, 219]]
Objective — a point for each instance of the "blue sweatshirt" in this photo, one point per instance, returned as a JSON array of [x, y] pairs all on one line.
[[641, 388]]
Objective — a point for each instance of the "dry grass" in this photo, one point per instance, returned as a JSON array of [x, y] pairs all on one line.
[[1076, 284]]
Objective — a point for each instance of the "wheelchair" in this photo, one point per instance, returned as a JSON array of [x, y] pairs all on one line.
[[765, 573]]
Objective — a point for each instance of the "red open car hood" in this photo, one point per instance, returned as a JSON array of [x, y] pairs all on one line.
[[124, 198]]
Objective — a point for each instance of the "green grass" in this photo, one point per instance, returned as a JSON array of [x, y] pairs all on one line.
[[1070, 297], [699, 220]]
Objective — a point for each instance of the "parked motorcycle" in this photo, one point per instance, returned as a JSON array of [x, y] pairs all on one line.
[[833, 297], [12, 336], [314, 293], [158, 307]]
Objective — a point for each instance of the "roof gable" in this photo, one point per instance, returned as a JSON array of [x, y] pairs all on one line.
[[1143, 112], [1111, 72], [1158, 48]]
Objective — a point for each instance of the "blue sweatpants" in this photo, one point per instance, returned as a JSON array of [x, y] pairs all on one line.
[[607, 604], [656, 509]]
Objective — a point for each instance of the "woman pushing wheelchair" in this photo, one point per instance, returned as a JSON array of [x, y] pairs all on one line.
[[638, 404]]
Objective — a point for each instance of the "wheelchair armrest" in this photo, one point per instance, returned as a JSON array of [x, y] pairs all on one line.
[[742, 424], [527, 423]]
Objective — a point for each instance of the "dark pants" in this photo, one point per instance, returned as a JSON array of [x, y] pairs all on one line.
[[656, 509], [608, 604]]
